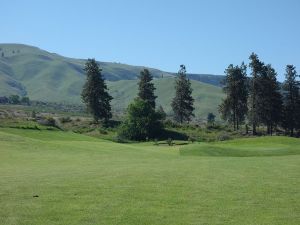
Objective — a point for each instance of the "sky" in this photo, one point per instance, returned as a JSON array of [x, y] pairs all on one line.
[[205, 35]]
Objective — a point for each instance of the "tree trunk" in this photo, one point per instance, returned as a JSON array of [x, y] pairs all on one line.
[[253, 129], [271, 131]]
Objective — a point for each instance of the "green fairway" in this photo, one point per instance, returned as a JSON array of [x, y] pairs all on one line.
[[80, 180]]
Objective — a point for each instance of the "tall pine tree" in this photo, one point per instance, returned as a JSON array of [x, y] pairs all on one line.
[[291, 100], [234, 107], [256, 70], [183, 102], [95, 92], [146, 87], [270, 98]]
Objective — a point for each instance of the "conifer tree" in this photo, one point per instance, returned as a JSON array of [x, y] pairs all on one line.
[[95, 92], [234, 106], [146, 87], [256, 69], [291, 100], [270, 98], [183, 102]]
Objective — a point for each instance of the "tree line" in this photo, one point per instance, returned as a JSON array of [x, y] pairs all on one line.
[[260, 100], [143, 118], [15, 100]]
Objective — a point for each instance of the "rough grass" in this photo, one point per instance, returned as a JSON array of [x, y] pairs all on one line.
[[263, 146], [83, 180]]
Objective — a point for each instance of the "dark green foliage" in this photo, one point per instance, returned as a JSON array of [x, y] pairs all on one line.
[[146, 87], [270, 99], [2, 54], [291, 100], [224, 137], [183, 102], [65, 119], [142, 122], [14, 99], [234, 106], [33, 114], [170, 141], [174, 134], [192, 139], [256, 70], [48, 121], [25, 100], [162, 112], [119, 138], [211, 118], [95, 92]]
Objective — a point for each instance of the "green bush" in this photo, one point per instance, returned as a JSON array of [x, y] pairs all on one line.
[[142, 122], [48, 121], [120, 139], [224, 137], [65, 119], [102, 131], [191, 139], [170, 141]]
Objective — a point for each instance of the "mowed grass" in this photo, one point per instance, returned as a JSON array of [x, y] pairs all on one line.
[[82, 180]]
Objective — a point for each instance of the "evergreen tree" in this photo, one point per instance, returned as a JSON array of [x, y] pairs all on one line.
[[14, 99], [270, 98], [162, 112], [95, 92], [256, 66], [291, 100], [146, 87], [183, 102], [211, 118], [234, 106], [25, 100]]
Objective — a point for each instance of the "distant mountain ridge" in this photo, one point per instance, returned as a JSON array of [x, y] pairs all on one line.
[[28, 70]]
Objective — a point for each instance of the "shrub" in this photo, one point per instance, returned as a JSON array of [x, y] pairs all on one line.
[[224, 137], [170, 141], [102, 131], [33, 114], [65, 119], [191, 139], [48, 121], [142, 122], [120, 139], [171, 124]]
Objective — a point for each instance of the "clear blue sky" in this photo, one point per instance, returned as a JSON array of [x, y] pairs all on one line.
[[206, 36]]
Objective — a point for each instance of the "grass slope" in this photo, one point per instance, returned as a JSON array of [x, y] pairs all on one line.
[[82, 180], [27, 70], [207, 97]]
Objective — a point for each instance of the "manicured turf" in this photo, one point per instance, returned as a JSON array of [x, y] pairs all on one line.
[[80, 180]]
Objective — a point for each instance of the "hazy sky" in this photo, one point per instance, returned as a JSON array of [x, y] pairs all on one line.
[[206, 36]]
